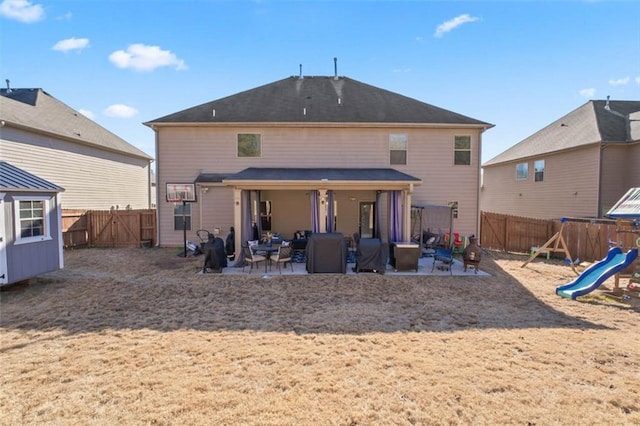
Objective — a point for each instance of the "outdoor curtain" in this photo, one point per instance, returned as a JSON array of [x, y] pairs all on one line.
[[330, 212], [395, 216], [315, 213], [246, 229]]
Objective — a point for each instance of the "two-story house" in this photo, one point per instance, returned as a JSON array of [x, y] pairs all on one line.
[[577, 166], [45, 137], [315, 153]]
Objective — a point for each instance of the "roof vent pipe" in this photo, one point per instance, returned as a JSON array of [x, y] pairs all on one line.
[[300, 76], [607, 106], [335, 68], [8, 86]]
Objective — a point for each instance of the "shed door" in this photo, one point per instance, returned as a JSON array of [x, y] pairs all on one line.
[[4, 273]]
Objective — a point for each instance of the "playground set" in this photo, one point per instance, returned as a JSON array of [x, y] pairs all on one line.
[[619, 259]]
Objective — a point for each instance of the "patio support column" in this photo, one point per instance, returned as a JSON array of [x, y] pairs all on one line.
[[237, 219], [323, 210], [406, 212]]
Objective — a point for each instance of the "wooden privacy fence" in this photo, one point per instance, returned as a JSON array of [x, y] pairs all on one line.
[[108, 228], [587, 239]]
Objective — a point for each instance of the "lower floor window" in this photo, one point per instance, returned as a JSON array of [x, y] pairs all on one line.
[[182, 216]]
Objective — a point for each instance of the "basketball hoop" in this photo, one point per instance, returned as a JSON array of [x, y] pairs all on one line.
[[181, 192]]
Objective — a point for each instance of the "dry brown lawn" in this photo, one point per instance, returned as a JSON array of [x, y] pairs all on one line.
[[136, 336]]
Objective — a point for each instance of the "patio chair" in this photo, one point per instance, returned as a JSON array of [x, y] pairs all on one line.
[[444, 255], [251, 258], [284, 255]]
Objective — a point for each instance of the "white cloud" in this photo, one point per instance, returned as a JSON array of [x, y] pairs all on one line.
[[87, 113], [66, 17], [454, 23], [401, 70], [120, 111], [619, 82], [588, 93], [22, 10], [71, 44], [146, 58]]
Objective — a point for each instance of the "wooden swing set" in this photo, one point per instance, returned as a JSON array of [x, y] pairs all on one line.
[[556, 244]]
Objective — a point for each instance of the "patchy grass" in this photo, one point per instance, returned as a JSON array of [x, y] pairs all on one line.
[[136, 336]]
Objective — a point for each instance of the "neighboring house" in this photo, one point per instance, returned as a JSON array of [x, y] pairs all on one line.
[[98, 169], [292, 153], [578, 166], [30, 225]]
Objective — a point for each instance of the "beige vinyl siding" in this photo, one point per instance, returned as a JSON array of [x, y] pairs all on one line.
[[185, 152], [92, 178], [212, 209], [620, 171], [570, 186]]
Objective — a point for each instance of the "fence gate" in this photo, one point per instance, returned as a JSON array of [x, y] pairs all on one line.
[[493, 235], [117, 228]]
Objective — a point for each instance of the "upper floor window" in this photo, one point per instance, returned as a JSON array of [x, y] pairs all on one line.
[[538, 170], [249, 145], [398, 149], [522, 171], [462, 150], [32, 221]]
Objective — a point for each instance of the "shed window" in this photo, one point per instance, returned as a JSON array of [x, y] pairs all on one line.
[[32, 219], [462, 151], [522, 171]]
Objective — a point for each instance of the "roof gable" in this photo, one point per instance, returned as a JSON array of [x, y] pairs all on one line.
[[13, 178], [589, 124], [36, 110], [318, 100]]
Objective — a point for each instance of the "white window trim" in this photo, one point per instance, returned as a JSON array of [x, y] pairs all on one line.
[[248, 133], [463, 150], [406, 148], [47, 218], [522, 178]]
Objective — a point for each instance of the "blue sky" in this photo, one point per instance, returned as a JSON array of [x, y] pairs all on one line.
[[517, 64]]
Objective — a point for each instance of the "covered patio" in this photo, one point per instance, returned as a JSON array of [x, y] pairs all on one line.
[[390, 191]]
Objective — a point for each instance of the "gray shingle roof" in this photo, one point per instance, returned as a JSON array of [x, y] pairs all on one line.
[[590, 123], [36, 110], [318, 100], [320, 174], [13, 178]]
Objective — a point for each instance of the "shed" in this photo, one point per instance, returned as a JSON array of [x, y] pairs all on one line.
[[30, 225]]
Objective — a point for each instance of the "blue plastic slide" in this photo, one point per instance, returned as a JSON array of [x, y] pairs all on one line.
[[597, 273]]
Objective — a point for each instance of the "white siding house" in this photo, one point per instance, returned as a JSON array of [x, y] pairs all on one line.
[[98, 170]]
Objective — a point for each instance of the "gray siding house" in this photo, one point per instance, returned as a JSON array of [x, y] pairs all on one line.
[[577, 166], [30, 225], [98, 170], [318, 153]]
